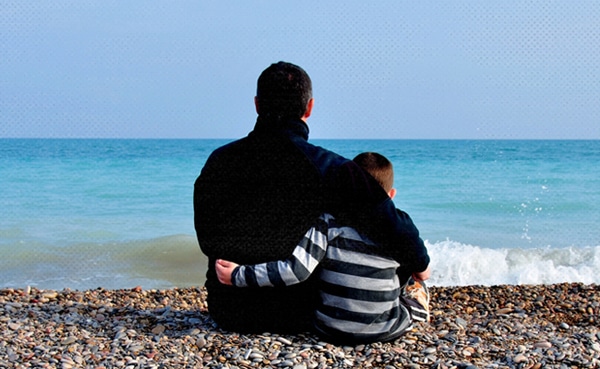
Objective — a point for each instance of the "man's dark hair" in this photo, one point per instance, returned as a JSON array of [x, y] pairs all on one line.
[[378, 166], [283, 91]]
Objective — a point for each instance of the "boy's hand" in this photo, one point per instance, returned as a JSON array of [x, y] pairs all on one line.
[[422, 276], [224, 269]]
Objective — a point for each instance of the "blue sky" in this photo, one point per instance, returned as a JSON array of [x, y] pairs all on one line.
[[496, 69]]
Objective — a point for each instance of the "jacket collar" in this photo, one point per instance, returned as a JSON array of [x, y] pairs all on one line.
[[287, 127]]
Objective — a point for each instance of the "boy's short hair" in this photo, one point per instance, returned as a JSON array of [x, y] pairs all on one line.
[[377, 166]]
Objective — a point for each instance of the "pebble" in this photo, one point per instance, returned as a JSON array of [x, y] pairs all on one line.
[[520, 358], [461, 322], [429, 350], [159, 329], [284, 340], [504, 311], [543, 326], [14, 326], [201, 342], [543, 344]]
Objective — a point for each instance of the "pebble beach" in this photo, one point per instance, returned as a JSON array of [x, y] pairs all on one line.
[[508, 326]]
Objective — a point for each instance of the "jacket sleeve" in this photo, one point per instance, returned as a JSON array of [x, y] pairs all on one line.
[[297, 268], [357, 199]]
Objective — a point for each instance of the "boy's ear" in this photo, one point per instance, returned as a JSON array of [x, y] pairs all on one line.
[[392, 193]]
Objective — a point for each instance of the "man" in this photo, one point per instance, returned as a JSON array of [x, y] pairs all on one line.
[[257, 196]]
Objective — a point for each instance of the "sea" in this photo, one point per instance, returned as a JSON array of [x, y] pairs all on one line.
[[118, 213]]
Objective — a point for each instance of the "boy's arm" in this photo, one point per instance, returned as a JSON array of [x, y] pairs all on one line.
[[295, 269], [422, 276], [414, 253]]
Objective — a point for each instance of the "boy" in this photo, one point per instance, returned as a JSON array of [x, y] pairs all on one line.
[[361, 298]]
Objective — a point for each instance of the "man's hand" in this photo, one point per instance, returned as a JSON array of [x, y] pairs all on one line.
[[422, 276], [224, 269]]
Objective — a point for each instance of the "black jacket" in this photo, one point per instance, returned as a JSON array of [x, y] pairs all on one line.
[[257, 196]]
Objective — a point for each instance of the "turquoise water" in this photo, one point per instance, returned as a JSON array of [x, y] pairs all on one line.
[[118, 213]]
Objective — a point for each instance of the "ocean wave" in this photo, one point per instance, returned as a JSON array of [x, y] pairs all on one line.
[[177, 261], [457, 264], [164, 262]]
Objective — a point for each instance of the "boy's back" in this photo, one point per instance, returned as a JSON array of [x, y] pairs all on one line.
[[358, 290]]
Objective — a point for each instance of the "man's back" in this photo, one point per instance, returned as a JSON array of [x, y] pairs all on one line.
[[253, 200]]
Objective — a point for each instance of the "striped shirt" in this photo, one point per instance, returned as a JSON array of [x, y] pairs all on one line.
[[359, 289]]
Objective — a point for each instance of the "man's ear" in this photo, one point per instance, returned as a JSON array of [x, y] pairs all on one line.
[[309, 108], [256, 104]]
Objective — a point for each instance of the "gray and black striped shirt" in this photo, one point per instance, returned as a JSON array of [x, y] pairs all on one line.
[[359, 289]]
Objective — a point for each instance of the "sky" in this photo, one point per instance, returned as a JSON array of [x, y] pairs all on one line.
[[493, 69]]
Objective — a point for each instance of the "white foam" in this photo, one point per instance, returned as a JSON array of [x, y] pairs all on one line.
[[457, 264], [177, 261]]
